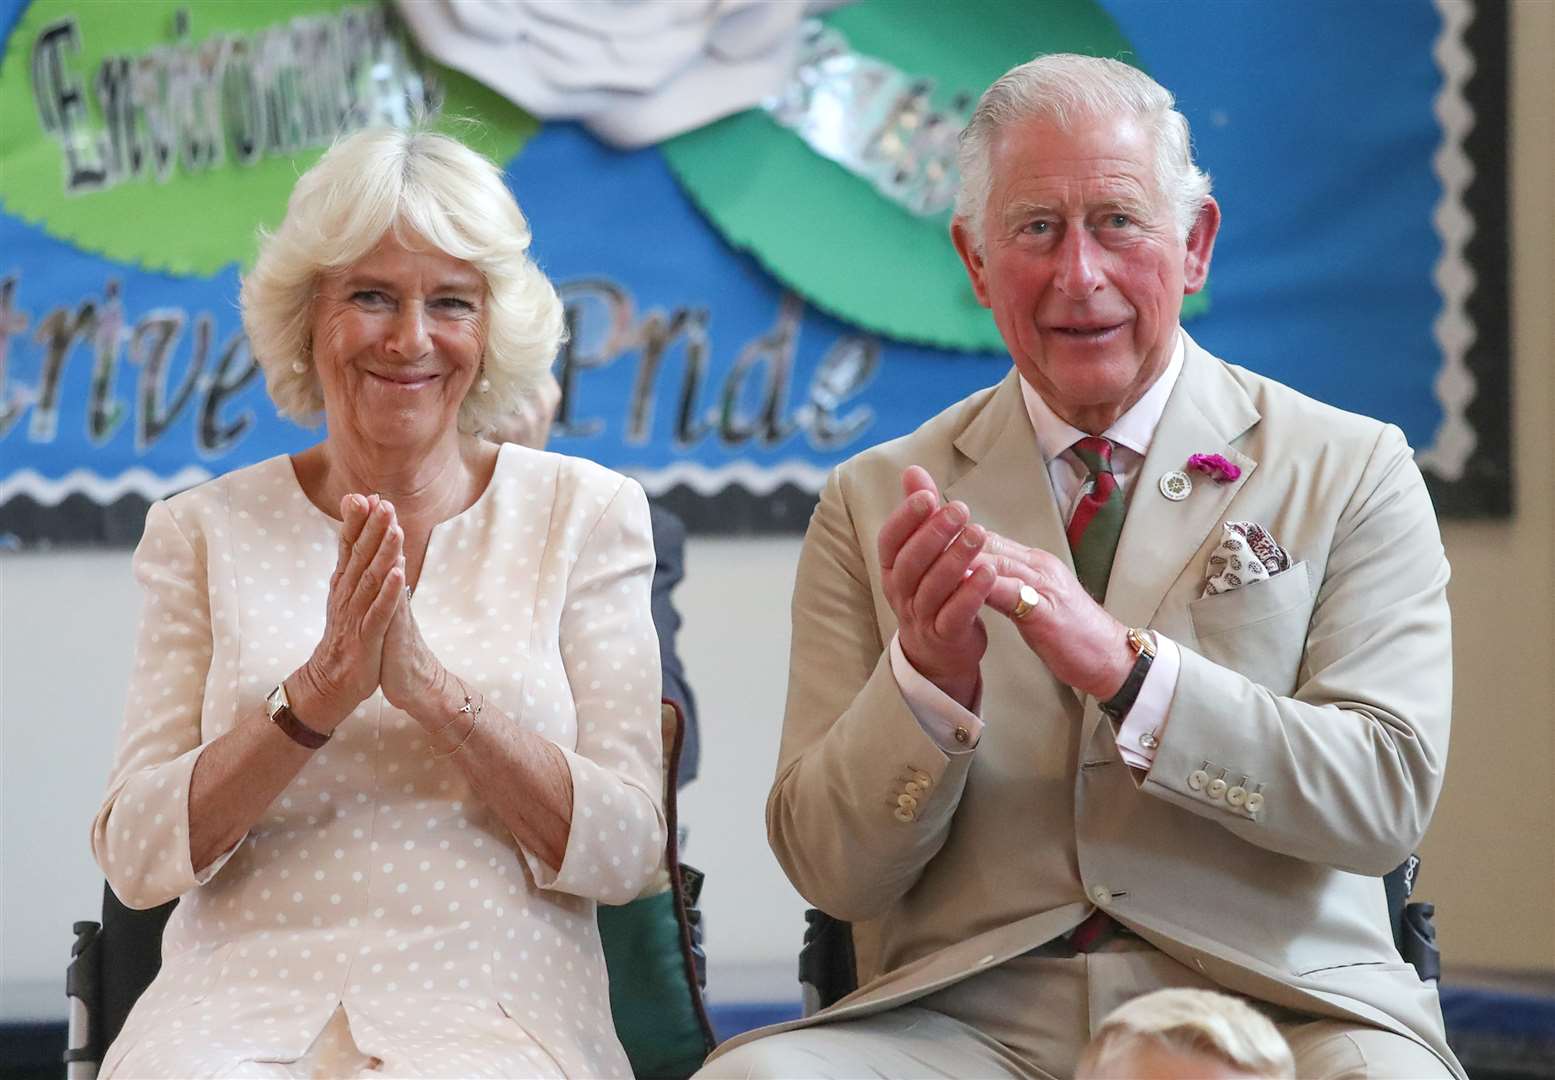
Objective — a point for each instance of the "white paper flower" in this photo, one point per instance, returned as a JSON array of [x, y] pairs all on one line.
[[634, 71]]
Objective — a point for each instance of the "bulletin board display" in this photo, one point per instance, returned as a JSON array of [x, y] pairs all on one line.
[[732, 339]]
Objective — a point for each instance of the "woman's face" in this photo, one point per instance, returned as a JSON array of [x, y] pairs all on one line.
[[397, 339]]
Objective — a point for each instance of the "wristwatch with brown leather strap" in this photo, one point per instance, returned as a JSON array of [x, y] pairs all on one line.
[[280, 712]]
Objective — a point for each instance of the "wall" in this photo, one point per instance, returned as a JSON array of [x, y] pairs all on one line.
[[1489, 860], [67, 624], [66, 621]]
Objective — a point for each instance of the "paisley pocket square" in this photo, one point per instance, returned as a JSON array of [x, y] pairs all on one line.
[[1246, 553]]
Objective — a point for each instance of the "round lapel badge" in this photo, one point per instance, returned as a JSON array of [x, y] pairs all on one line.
[[1175, 485]]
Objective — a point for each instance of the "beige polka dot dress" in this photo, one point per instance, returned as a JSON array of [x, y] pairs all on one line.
[[378, 883]]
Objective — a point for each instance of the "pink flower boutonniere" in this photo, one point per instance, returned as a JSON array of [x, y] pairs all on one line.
[[1213, 465]]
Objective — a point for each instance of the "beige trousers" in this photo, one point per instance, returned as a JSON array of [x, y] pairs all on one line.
[[1032, 1016]]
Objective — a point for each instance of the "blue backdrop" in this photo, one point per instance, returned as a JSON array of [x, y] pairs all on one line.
[[1316, 119]]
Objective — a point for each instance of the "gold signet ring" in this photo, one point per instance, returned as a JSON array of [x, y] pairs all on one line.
[[1028, 600]]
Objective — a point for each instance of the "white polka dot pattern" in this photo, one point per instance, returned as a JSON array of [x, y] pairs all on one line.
[[378, 882]]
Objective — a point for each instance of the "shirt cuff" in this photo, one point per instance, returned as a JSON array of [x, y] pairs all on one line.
[[940, 715], [1143, 728]]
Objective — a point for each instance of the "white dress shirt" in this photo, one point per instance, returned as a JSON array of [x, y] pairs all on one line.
[[941, 716]]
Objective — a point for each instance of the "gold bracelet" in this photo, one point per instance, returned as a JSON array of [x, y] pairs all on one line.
[[474, 709], [465, 691]]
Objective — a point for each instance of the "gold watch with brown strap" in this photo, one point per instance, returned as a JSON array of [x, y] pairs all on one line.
[[279, 709], [1143, 644]]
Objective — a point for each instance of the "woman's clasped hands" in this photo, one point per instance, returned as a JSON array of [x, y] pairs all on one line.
[[370, 635]]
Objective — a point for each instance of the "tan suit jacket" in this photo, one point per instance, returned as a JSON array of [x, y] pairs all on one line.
[[1326, 688]]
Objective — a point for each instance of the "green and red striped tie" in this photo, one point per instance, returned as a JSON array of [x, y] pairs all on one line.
[[1093, 533], [1098, 517]]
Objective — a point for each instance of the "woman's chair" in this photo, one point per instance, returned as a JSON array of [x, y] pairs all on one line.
[[653, 950]]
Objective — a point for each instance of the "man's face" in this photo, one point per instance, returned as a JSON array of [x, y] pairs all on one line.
[[1081, 263]]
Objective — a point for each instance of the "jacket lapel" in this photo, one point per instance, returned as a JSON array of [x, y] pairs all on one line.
[[1007, 487], [1207, 411]]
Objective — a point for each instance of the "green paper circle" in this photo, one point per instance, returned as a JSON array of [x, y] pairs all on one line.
[[829, 235], [193, 223]]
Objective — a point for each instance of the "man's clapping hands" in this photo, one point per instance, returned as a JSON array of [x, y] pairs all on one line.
[[939, 569]]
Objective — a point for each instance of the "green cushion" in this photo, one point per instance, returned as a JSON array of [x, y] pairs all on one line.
[[652, 997]]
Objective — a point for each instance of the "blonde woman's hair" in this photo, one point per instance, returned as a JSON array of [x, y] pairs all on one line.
[[425, 189], [1199, 1022]]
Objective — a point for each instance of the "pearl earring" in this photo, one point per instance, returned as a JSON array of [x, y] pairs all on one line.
[[299, 367], [484, 386]]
